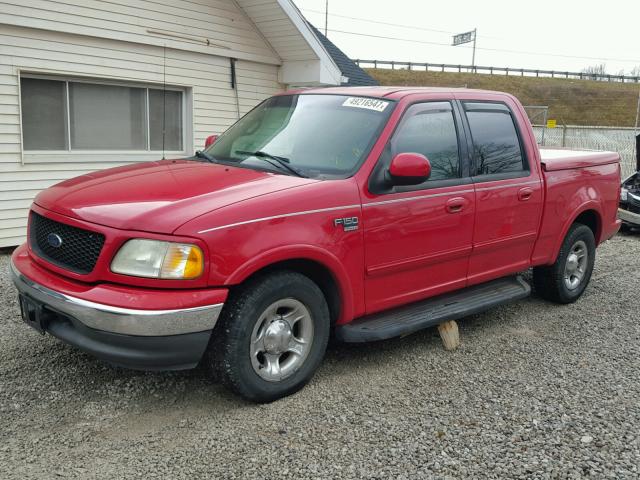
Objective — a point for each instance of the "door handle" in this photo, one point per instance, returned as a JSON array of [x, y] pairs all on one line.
[[455, 205], [525, 194]]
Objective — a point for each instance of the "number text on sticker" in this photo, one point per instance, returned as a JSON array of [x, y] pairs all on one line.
[[368, 103]]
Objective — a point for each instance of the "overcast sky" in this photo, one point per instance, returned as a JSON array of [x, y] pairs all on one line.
[[545, 34]]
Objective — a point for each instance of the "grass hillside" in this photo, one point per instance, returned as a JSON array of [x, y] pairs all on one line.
[[572, 102]]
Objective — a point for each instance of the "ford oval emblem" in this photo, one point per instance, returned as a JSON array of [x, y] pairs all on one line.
[[54, 240]]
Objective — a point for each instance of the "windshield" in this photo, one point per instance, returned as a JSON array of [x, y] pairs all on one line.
[[320, 136]]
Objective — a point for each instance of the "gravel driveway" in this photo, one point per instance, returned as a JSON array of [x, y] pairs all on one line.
[[535, 391]]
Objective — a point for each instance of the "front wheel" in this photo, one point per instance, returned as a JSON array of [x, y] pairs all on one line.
[[567, 278], [272, 336]]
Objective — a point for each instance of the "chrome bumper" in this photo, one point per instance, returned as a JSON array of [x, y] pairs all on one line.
[[629, 217], [124, 321]]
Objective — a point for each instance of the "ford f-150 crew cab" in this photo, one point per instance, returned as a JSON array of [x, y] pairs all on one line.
[[366, 213]]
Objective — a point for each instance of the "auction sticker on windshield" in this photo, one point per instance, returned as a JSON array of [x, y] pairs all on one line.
[[368, 103]]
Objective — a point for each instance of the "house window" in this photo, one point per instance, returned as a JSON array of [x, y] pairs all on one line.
[[67, 115]]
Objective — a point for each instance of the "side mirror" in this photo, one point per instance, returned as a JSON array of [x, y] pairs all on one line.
[[409, 169], [211, 139]]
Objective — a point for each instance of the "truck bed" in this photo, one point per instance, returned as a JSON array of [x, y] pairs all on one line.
[[577, 181], [554, 159]]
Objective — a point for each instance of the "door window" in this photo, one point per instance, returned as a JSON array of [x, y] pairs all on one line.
[[496, 145], [430, 129]]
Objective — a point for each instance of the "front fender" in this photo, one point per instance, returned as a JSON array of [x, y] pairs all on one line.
[[303, 252]]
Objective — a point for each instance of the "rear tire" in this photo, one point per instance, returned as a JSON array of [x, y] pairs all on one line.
[[271, 337], [568, 277]]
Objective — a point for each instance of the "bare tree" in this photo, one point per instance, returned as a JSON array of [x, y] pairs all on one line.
[[595, 72], [635, 71]]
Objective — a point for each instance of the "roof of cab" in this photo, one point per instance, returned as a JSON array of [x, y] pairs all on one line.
[[392, 93]]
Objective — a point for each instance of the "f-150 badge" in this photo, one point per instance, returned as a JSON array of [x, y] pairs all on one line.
[[348, 223]]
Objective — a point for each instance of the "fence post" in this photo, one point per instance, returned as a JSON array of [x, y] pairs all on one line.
[[564, 135], [393, 65], [375, 64], [638, 153]]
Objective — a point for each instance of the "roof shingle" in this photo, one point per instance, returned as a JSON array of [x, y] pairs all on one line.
[[356, 76]]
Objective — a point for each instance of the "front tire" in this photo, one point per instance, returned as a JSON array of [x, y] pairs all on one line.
[[272, 336], [568, 277]]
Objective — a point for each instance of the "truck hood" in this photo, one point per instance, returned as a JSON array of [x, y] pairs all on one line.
[[159, 196]]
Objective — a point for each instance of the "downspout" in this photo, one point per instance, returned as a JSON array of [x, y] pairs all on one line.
[[234, 84]]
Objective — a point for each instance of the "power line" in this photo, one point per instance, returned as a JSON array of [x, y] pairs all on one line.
[[546, 54], [390, 38], [381, 23]]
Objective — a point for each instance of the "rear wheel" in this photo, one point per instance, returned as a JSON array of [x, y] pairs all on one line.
[[567, 278], [272, 336]]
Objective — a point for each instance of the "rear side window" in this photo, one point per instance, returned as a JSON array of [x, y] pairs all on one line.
[[496, 144], [430, 129]]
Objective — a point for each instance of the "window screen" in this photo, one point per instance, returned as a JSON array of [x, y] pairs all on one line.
[[431, 131], [106, 117], [495, 139], [44, 122], [72, 115], [169, 104]]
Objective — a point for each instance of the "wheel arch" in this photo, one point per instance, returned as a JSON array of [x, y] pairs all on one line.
[[317, 264], [588, 214]]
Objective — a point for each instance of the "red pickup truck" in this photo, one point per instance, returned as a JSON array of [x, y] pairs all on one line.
[[366, 213]]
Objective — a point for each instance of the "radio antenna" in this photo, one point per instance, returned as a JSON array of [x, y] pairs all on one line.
[[164, 95]]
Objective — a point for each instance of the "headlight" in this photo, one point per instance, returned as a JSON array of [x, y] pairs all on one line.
[[624, 194], [156, 259]]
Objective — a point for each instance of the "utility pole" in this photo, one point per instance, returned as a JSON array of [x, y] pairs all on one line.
[[637, 113], [635, 132], [326, 17], [473, 57]]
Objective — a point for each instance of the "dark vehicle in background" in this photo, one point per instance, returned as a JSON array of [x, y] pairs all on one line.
[[629, 211]]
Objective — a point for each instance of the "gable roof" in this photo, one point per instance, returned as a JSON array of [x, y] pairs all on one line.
[[304, 61], [354, 75]]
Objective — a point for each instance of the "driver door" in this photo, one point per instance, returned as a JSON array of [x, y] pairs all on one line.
[[418, 239]]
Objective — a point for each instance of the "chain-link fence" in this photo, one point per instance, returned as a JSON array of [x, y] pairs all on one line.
[[621, 140]]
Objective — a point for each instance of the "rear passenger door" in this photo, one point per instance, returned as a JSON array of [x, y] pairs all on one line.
[[508, 191]]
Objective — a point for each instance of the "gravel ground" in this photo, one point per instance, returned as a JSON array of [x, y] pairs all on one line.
[[535, 391]]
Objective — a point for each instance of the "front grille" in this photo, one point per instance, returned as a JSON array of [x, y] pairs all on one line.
[[77, 251]]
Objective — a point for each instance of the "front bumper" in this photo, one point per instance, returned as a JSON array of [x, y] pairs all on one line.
[[628, 217], [146, 339]]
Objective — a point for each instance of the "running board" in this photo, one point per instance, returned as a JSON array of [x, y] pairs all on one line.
[[433, 311]]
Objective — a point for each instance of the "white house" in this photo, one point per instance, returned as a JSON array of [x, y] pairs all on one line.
[[84, 83]]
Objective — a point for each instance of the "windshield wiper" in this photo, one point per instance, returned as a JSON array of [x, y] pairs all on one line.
[[205, 155], [281, 162]]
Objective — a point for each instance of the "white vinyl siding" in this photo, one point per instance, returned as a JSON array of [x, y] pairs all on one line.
[[211, 105], [207, 26]]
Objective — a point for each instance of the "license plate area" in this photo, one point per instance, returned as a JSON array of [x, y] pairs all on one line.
[[33, 313]]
